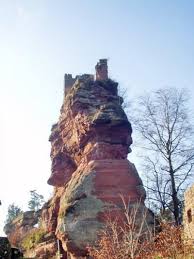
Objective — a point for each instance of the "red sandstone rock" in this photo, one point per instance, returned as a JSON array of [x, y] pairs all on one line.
[[90, 170], [49, 212], [92, 125], [90, 144]]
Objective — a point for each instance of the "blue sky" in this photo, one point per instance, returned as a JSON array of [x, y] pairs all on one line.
[[149, 43]]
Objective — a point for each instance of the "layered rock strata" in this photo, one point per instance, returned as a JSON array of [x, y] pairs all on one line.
[[90, 170]]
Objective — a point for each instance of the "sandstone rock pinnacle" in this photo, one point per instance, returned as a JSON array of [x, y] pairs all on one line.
[[90, 170]]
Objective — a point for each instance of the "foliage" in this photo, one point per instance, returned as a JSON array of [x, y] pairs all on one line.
[[36, 201], [162, 120], [13, 212], [31, 239], [167, 244]]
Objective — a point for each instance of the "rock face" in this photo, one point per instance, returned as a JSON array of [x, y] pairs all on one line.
[[90, 170]]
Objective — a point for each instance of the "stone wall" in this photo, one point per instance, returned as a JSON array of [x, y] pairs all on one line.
[[101, 74], [68, 82], [188, 217], [101, 70]]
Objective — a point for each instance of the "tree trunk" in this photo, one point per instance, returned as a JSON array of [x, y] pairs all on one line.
[[175, 199]]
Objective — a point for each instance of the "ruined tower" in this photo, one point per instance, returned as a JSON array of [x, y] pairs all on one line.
[[101, 74], [101, 70], [188, 217], [68, 82]]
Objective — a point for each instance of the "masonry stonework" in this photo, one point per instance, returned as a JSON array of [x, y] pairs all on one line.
[[68, 82], [188, 217], [101, 74], [101, 70]]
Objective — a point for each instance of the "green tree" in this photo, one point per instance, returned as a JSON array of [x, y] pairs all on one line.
[[36, 201], [13, 212], [167, 146]]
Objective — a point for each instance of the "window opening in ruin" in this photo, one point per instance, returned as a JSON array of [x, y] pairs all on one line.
[[189, 216]]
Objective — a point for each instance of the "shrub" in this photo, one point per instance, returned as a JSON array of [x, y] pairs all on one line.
[[123, 240], [127, 241], [33, 238]]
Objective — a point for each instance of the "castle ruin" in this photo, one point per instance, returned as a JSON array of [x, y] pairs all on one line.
[[101, 70], [188, 217], [101, 74]]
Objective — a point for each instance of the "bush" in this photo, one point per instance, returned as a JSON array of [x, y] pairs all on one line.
[[33, 238], [168, 244], [123, 240], [127, 241]]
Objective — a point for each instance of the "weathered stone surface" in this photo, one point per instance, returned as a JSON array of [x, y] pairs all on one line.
[[90, 144], [90, 194], [49, 212], [188, 215], [101, 70], [92, 125]]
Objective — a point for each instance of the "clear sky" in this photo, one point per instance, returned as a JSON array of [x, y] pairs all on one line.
[[149, 43]]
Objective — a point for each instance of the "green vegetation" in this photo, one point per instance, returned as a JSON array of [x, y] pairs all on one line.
[[13, 212], [36, 201], [33, 238]]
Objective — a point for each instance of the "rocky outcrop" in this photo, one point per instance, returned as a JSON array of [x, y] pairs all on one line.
[[30, 233], [91, 175], [20, 226], [44, 249], [90, 144]]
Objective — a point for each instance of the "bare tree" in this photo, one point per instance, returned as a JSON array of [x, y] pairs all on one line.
[[125, 237], [125, 100], [162, 119]]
